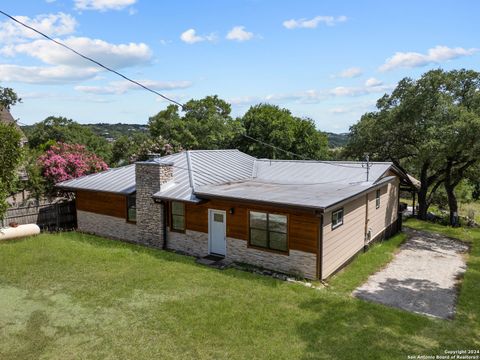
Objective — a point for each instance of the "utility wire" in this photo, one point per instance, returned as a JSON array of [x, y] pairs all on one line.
[[152, 90]]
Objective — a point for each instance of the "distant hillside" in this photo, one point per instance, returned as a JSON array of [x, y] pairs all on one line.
[[112, 132], [337, 140]]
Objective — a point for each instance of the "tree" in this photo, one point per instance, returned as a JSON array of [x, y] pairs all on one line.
[[126, 148], [276, 126], [10, 157], [428, 127], [8, 98], [60, 129], [206, 124], [68, 161]]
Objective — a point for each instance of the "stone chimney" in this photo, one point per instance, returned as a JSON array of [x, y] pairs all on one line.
[[149, 177]]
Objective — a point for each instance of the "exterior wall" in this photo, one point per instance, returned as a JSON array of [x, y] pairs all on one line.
[[303, 226], [102, 203], [381, 218], [342, 243], [150, 176], [191, 242], [296, 262], [105, 225]]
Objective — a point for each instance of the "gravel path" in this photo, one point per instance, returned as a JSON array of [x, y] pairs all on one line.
[[421, 278]]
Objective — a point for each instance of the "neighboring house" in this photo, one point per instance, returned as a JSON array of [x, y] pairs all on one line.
[[303, 217]]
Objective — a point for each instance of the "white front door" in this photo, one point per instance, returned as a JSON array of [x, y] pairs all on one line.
[[217, 225]]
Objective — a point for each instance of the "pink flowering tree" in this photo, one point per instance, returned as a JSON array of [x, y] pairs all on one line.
[[68, 161]]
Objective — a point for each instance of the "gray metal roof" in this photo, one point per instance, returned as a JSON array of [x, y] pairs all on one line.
[[233, 174], [207, 167], [315, 196]]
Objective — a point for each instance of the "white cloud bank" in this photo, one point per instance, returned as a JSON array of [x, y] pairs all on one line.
[[51, 24], [314, 22], [103, 5], [113, 55], [238, 33], [434, 55], [349, 73], [190, 37], [121, 87]]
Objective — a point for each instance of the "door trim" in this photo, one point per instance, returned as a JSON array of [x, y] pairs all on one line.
[[210, 219]]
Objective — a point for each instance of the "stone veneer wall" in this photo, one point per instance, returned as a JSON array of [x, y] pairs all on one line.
[[192, 242], [297, 262], [149, 177], [104, 225], [196, 243]]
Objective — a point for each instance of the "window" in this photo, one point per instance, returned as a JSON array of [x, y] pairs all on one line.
[[178, 216], [377, 199], [132, 208], [268, 231], [337, 218]]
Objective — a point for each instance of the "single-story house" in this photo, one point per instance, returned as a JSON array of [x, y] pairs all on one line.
[[293, 216]]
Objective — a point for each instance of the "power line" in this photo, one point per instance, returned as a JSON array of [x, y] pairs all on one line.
[[152, 90], [91, 60]]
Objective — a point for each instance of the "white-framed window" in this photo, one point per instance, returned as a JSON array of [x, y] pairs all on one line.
[[377, 199], [337, 218]]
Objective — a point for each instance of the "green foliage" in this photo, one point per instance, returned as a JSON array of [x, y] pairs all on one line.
[[126, 148], [205, 124], [60, 129], [8, 98], [429, 126], [276, 126], [10, 157]]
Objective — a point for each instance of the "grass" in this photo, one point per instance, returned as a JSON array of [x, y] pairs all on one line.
[[70, 296]]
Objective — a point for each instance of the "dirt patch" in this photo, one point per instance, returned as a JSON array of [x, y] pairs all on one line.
[[422, 278]]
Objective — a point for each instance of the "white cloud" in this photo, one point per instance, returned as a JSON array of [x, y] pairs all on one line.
[[371, 82], [45, 74], [314, 22], [350, 73], [112, 55], [360, 90], [190, 37], [50, 24], [103, 5], [239, 33], [121, 87], [434, 55]]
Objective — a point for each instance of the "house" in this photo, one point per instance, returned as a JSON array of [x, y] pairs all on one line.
[[303, 217]]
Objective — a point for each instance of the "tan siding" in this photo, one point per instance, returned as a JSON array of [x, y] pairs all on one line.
[[342, 243], [386, 214]]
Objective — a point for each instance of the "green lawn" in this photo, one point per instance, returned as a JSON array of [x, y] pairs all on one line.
[[71, 296]]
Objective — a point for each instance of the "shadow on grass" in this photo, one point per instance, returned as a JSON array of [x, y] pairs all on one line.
[[343, 328], [32, 340]]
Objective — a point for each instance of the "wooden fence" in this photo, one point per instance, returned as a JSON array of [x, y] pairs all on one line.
[[48, 216]]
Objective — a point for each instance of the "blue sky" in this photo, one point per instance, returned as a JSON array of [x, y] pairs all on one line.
[[327, 60]]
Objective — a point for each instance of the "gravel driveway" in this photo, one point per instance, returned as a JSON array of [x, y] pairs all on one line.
[[422, 277]]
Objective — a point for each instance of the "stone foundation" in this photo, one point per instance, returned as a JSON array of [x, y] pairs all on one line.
[[297, 262], [108, 226], [191, 242]]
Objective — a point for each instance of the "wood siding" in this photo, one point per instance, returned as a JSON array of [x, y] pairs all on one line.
[[379, 219], [102, 203], [303, 225], [340, 244]]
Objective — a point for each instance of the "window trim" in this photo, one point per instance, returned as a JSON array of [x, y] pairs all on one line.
[[127, 207], [170, 208], [336, 226], [250, 245], [377, 199]]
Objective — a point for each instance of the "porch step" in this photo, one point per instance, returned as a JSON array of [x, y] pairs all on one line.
[[215, 261]]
